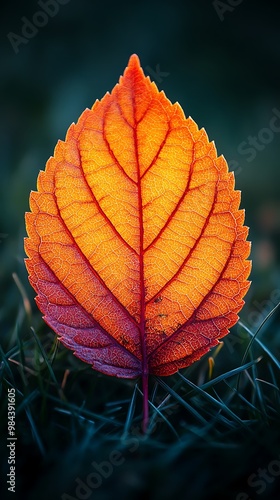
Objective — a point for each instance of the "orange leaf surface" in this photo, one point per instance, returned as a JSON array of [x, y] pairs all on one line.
[[136, 245]]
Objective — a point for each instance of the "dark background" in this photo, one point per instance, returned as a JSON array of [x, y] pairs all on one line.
[[223, 67]]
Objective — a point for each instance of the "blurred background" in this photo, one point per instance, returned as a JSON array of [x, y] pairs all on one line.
[[221, 62]]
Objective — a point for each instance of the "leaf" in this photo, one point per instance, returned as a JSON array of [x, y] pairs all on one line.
[[137, 248]]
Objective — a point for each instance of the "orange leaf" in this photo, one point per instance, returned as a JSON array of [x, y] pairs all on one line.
[[137, 248]]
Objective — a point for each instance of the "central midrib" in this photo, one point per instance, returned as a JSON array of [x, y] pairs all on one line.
[[142, 325], [141, 255]]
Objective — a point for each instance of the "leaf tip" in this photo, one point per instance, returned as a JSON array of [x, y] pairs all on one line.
[[134, 61]]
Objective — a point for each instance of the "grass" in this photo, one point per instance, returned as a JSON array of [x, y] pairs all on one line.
[[211, 426]]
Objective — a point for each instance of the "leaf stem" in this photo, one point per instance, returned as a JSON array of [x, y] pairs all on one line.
[[145, 388]]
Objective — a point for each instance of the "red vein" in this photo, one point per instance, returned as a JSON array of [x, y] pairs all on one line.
[[189, 254], [118, 235], [192, 317], [114, 158], [89, 316], [141, 257], [158, 153], [176, 208], [94, 272]]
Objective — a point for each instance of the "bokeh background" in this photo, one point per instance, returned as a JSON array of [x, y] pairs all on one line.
[[221, 62]]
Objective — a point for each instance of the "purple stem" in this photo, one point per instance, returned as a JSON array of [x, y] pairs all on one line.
[[145, 403]]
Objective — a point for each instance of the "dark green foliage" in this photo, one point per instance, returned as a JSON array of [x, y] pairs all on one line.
[[211, 426]]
